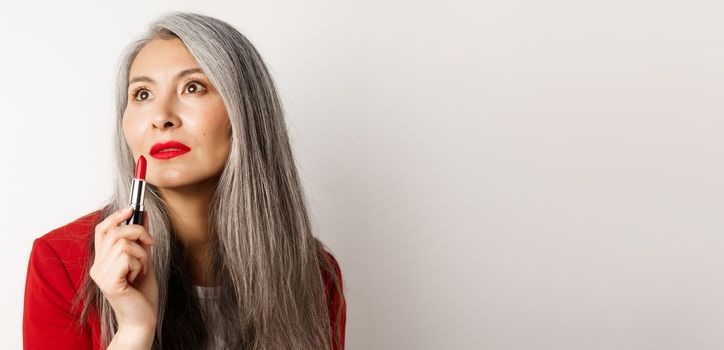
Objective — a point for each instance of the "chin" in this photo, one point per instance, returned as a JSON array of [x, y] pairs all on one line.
[[169, 180], [175, 181]]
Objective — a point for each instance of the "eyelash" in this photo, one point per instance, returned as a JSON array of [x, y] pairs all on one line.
[[135, 92]]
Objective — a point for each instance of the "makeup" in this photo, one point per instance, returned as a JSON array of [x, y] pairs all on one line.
[[138, 191], [168, 150]]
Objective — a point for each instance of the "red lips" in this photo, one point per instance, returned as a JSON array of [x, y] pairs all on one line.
[[168, 149]]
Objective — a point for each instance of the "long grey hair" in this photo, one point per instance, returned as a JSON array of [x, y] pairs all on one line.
[[266, 259]]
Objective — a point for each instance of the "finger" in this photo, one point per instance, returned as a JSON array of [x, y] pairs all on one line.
[[116, 280], [132, 276], [128, 268], [130, 232], [135, 268], [111, 221], [115, 219], [132, 249]]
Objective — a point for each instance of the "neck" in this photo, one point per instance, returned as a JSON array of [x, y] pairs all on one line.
[[188, 209]]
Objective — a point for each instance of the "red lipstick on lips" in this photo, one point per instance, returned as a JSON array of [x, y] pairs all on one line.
[[168, 150], [138, 191]]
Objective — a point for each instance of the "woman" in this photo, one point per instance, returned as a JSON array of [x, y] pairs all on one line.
[[225, 257]]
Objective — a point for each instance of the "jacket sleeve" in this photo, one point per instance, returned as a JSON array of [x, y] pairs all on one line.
[[337, 303], [48, 321]]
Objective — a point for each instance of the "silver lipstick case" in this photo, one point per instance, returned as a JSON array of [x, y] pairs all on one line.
[[138, 191]]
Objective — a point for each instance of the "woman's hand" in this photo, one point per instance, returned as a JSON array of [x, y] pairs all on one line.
[[123, 270]]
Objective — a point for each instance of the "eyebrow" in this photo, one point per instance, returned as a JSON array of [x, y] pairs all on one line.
[[179, 75]]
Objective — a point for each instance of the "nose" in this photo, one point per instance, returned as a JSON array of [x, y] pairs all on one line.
[[166, 114], [163, 123]]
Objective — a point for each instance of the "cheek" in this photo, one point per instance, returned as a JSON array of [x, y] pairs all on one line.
[[217, 137], [217, 131], [127, 123], [128, 133]]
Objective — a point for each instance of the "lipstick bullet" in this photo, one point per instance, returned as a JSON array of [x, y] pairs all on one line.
[[138, 191]]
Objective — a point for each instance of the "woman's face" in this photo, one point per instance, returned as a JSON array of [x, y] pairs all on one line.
[[164, 105]]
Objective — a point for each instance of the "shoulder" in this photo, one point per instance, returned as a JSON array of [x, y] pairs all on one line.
[[332, 260], [332, 278], [65, 249], [56, 268], [330, 267], [75, 230], [336, 303]]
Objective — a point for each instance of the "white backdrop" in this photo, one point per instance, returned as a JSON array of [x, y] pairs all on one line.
[[498, 175]]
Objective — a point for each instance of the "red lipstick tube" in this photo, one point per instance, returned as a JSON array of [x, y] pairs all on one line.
[[138, 191]]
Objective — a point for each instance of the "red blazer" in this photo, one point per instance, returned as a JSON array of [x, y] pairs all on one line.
[[55, 272]]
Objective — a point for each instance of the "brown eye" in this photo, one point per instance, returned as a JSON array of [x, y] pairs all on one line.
[[194, 86], [140, 92], [143, 95]]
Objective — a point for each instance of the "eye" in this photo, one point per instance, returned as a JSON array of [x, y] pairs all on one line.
[[140, 91], [194, 86]]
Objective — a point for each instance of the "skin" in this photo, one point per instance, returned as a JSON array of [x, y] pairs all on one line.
[[122, 272], [190, 110], [168, 108]]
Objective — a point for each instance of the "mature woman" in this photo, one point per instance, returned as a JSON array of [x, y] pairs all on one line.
[[226, 257]]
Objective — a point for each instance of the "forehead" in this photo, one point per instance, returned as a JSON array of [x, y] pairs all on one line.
[[161, 56]]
